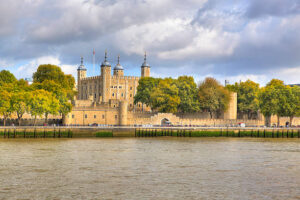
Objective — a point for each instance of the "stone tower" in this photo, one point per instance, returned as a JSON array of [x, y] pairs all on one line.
[[231, 112], [106, 79], [145, 68], [81, 73], [118, 69], [123, 113]]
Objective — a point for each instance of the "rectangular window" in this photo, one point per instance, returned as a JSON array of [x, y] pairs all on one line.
[[73, 116], [85, 116], [130, 95], [103, 116], [130, 88], [116, 116], [112, 86], [113, 94], [95, 116], [120, 86], [122, 94]]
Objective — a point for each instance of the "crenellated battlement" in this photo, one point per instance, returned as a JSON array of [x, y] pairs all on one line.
[[91, 78], [126, 77]]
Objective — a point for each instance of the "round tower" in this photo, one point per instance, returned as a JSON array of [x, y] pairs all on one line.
[[123, 108], [118, 69], [106, 76], [81, 73], [145, 68]]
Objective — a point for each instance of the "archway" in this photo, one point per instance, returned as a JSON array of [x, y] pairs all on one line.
[[165, 122]]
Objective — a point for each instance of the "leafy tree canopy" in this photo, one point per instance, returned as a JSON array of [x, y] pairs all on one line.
[[6, 77], [213, 97], [54, 73]]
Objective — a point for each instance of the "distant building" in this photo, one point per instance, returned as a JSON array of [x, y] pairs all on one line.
[[109, 89], [29, 80], [108, 99]]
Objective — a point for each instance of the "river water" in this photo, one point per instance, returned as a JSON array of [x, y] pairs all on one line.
[[150, 168]]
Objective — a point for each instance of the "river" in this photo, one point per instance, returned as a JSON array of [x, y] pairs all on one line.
[[150, 168]]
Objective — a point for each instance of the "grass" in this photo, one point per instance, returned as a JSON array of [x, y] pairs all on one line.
[[104, 134], [39, 134], [217, 133]]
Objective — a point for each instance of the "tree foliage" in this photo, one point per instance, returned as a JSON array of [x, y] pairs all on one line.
[[5, 105], [168, 95], [50, 93], [187, 92], [213, 97], [6, 77], [164, 97]]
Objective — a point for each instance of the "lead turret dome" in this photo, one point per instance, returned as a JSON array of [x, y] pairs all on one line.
[[81, 66], [105, 62], [118, 66], [145, 64]]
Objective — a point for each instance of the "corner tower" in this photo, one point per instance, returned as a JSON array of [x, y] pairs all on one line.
[[81, 73], [118, 69], [106, 77], [145, 68]]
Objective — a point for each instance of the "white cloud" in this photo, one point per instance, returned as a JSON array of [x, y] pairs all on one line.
[[28, 69]]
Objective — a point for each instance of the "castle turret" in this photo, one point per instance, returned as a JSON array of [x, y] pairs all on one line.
[[231, 112], [81, 73], [145, 68], [106, 76], [118, 69]]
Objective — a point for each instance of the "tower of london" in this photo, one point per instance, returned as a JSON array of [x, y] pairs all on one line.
[[108, 89]]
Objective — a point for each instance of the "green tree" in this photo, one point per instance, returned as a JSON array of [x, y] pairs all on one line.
[[187, 92], [5, 106], [6, 77], [60, 94], [213, 97], [52, 79], [247, 97], [272, 100], [289, 102], [19, 103], [144, 90], [54, 73], [39, 103], [164, 98]]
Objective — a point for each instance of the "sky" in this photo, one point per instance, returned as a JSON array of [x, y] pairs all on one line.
[[231, 40]]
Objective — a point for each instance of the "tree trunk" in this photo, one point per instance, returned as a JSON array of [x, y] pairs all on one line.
[[19, 121], [211, 115], [4, 121], [291, 120], [267, 120], [34, 120], [46, 117], [278, 121]]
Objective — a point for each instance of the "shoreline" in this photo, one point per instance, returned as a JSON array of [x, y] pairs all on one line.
[[88, 132]]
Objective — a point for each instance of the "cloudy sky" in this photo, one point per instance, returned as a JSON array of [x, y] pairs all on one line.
[[232, 39]]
